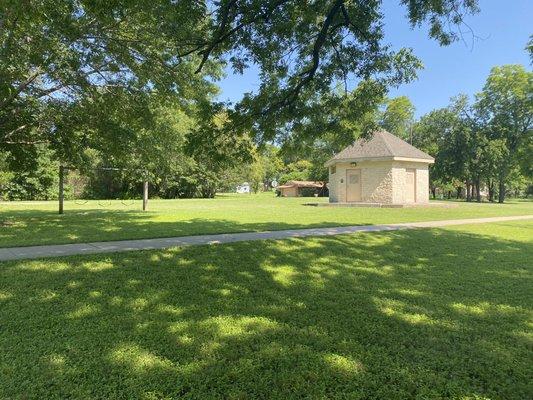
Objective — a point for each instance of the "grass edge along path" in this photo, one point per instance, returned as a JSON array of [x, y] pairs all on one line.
[[429, 313], [20, 253]]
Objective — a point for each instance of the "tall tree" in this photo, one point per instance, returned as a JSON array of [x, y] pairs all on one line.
[[397, 117], [429, 135], [505, 107]]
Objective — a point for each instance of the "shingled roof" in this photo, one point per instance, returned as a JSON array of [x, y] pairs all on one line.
[[382, 145], [302, 184]]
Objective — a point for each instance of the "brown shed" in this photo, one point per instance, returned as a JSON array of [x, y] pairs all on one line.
[[294, 188]]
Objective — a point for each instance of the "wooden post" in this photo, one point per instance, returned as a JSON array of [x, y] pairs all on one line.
[[61, 188], [145, 195]]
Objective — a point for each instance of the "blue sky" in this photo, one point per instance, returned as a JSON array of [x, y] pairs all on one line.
[[503, 28]]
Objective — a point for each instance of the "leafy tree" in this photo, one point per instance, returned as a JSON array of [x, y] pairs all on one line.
[[272, 164], [296, 171], [145, 137], [303, 49], [256, 175], [5, 175], [80, 76], [180, 151], [31, 179], [486, 143], [260, 171], [318, 137], [450, 136], [429, 135], [398, 117], [266, 168], [505, 107], [215, 149], [54, 53], [525, 157]]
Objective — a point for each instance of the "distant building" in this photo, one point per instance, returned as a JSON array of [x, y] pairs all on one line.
[[383, 169], [243, 188], [302, 189]]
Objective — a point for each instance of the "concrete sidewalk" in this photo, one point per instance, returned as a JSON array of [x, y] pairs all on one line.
[[20, 253]]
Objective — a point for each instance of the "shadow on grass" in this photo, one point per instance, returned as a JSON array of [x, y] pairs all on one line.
[[389, 315], [28, 228]]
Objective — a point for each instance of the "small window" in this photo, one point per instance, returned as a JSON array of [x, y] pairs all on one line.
[[354, 179], [332, 169]]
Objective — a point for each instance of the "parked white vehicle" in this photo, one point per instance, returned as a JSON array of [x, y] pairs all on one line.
[[244, 188]]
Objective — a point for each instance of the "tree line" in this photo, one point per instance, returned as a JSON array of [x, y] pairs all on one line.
[[482, 148], [485, 144]]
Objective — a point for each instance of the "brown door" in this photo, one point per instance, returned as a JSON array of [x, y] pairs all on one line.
[[353, 185], [410, 185]]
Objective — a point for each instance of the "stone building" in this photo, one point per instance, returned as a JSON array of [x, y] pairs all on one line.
[[383, 169]]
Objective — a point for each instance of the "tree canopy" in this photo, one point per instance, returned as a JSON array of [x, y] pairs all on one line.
[[398, 116], [58, 54]]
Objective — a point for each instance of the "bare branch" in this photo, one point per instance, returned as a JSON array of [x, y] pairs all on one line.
[[25, 142], [20, 128]]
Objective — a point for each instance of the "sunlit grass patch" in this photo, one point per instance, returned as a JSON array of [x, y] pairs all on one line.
[[440, 313], [37, 223]]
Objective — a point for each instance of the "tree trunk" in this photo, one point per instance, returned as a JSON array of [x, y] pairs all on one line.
[[434, 192], [502, 177], [468, 191], [478, 190], [501, 191], [490, 186]]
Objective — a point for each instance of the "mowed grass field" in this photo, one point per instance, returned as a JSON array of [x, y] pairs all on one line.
[[38, 223], [420, 314]]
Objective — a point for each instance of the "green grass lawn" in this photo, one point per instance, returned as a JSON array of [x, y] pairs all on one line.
[[442, 313], [37, 223]]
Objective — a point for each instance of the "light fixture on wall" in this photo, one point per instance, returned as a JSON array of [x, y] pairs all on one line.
[[353, 164]]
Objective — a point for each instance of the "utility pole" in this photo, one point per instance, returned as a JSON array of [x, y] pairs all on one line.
[[145, 195], [61, 188]]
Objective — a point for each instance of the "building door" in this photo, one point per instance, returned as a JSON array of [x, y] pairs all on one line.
[[410, 185], [353, 185]]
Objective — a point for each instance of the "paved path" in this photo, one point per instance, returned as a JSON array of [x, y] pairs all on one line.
[[19, 253]]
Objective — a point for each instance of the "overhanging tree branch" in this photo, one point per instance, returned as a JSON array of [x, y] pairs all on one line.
[[221, 37]]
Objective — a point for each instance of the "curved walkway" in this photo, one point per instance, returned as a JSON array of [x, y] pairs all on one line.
[[20, 253]]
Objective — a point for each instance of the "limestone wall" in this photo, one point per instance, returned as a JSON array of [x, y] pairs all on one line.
[[376, 182], [398, 178], [422, 184], [333, 186]]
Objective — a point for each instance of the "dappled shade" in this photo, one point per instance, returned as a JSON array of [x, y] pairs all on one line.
[[386, 315]]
